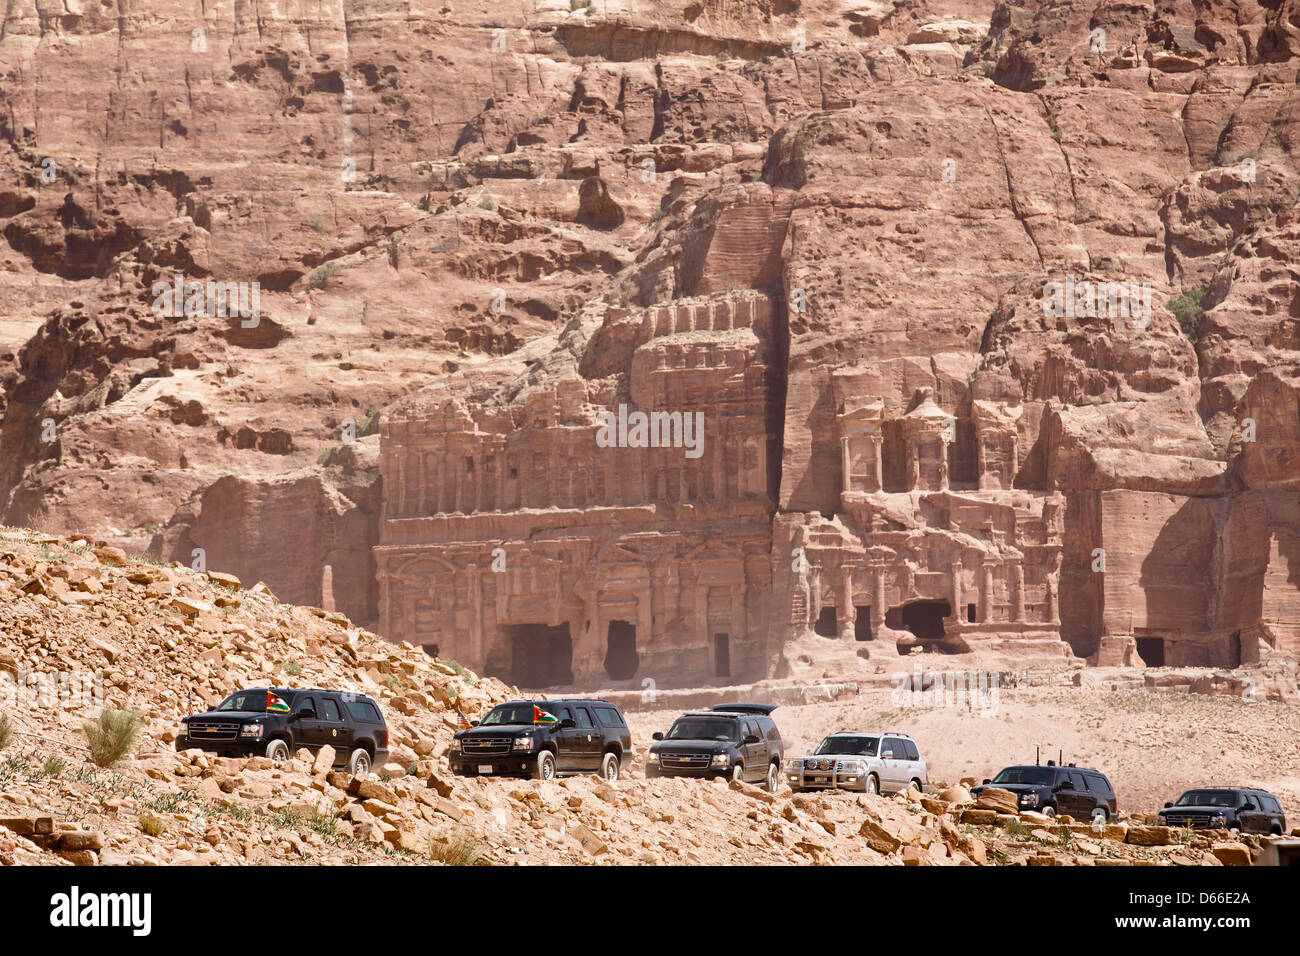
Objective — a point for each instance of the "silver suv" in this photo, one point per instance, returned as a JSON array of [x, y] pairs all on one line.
[[868, 763]]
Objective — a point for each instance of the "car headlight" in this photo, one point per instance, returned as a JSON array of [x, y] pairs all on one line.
[[652, 757], [250, 730], [852, 766], [720, 760], [1219, 818], [455, 744], [794, 765], [183, 730], [1029, 799], [523, 743]]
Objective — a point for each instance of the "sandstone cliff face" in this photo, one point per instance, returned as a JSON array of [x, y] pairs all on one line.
[[827, 228]]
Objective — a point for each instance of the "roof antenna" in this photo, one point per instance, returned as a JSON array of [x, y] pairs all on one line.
[[1060, 757], [1038, 754]]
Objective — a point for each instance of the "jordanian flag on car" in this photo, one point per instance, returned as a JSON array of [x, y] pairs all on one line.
[[275, 705], [542, 717]]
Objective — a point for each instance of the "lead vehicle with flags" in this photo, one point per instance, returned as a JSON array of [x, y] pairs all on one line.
[[275, 721], [544, 739]]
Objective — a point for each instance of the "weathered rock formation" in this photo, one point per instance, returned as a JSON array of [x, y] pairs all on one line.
[[829, 229]]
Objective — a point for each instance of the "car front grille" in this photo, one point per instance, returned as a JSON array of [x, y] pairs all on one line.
[[684, 761], [485, 746], [213, 730], [1184, 819]]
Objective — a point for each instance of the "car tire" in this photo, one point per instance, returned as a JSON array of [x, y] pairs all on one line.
[[1048, 811], [773, 777], [277, 750], [359, 762], [873, 784], [544, 768], [1105, 814], [917, 784], [609, 767], [738, 772]]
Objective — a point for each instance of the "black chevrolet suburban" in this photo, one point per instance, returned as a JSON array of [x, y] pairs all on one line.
[[1226, 808], [1083, 794], [737, 741], [275, 722], [544, 739]]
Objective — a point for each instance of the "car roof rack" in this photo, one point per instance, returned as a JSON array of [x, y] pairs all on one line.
[[740, 708]]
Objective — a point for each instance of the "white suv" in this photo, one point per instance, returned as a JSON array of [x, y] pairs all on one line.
[[869, 763]]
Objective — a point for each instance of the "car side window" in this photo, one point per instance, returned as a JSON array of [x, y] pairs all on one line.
[[1076, 778], [610, 717], [307, 705], [747, 728], [330, 710], [911, 751], [561, 713], [1270, 804], [584, 718]]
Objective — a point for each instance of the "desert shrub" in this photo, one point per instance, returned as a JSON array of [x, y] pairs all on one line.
[[110, 739], [151, 825], [6, 731], [462, 848], [1187, 309]]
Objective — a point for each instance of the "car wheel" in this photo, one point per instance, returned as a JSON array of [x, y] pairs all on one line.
[[278, 751], [544, 769], [609, 767], [1048, 811], [1102, 813], [773, 778], [873, 784], [358, 763], [738, 772], [917, 784]]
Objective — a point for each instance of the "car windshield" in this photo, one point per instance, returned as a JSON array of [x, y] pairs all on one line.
[[861, 746], [254, 700], [1207, 798], [1036, 776], [515, 713], [702, 728]]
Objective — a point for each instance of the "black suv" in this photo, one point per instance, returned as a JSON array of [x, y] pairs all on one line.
[[543, 739], [1053, 789], [1226, 808], [275, 722], [737, 741]]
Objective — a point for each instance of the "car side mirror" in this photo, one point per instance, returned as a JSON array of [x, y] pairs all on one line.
[[1065, 785], [1168, 804], [887, 755], [657, 735], [987, 780], [566, 723], [473, 723], [752, 738]]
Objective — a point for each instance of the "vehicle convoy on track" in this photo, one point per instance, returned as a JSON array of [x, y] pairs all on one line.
[[868, 762], [736, 741], [1226, 808], [276, 722], [544, 739], [1052, 788]]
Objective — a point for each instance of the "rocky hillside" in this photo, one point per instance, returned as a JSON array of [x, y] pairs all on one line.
[[76, 615]]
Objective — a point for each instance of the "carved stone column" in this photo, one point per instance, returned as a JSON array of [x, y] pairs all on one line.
[[849, 612], [845, 468], [1018, 582], [986, 589], [958, 609], [877, 441]]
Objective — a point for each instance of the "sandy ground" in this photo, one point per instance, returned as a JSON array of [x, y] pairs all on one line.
[[1152, 745]]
